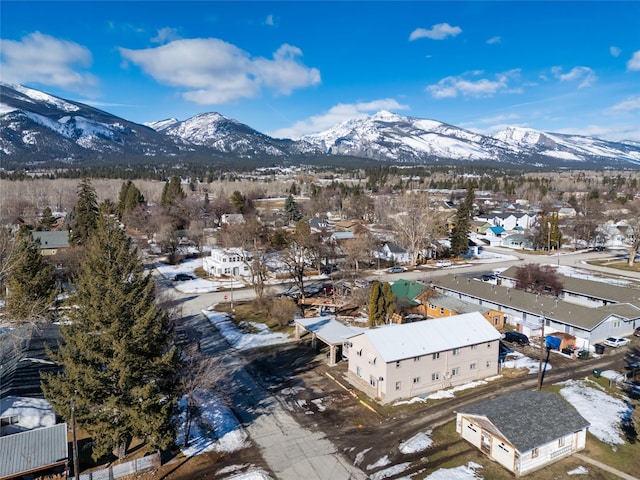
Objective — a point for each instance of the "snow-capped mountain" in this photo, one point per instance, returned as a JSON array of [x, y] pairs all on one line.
[[227, 136], [38, 127]]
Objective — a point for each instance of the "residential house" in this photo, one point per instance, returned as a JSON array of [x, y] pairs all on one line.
[[231, 218], [509, 220], [403, 361], [394, 253], [407, 293], [318, 225], [523, 431], [439, 306], [228, 262], [51, 242], [528, 310], [567, 212]]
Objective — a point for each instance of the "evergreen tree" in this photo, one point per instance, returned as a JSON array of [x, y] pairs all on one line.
[[172, 192], [291, 209], [47, 221], [84, 215], [117, 351], [459, 236], [130, 198], [31, 280], [381, 300], [238, 201]]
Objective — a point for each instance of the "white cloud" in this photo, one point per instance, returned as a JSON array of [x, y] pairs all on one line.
[[436, 32], [494, 40], [337, 114], [613, 132], [615, 51], [216, 72], [634, 62], [270, 21], [166, 34], [47, 60], [500, 118], [585, 75], [628, 105], [450, 87]]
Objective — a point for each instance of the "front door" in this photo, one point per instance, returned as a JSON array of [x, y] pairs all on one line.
[[485, 443]]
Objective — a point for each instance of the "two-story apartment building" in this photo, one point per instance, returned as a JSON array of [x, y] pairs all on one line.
[[407, 360]]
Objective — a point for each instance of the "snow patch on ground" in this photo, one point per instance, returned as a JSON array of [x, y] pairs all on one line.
[[382, 462], [390, 472], [604, 412], [518, 360], [464, 472], [578, 471], [239, 339], [419, 442]]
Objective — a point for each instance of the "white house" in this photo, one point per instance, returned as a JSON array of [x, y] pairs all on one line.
[[402, 361], [393, 253], [523, 431], [226, 262]]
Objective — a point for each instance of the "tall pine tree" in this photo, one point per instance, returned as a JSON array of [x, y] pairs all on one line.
[[31, 280], [130, 198], [459, 236], [84, 215], [117, 351], [47, 221], [172, 192]]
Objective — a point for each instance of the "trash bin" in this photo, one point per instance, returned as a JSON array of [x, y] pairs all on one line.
[[596, 372], [599, 348], [583, 354]]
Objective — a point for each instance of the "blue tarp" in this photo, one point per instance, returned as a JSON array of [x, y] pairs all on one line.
[[553, 342]]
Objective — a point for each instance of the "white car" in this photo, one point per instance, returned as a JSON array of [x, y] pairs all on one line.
[[616, 342]]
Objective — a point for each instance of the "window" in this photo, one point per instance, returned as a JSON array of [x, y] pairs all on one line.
[[416, 380], [455, 371], [561, 442], [372, 380], [474, 347], [456, 351], [436, 355], [359, 352], [12, 420], [416, 359], [358, 372], [398, 386], [488, 363], [496, 320], [441, 311], [472, 366], [435, 376], [534, 453], [489, 345], [398, 364]]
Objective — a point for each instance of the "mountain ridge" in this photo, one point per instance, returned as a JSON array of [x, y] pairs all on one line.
[[38, 127]]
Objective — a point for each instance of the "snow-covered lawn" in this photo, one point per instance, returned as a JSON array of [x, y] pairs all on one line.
[[240, 339]]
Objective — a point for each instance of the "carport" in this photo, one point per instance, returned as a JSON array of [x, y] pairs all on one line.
[[326, 329]]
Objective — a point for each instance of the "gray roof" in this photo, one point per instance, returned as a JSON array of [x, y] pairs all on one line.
[[529, 419], [590, 288], [579, 316], [398, 342], [455, 304], [327, 329], [52, 239], [33, 450]]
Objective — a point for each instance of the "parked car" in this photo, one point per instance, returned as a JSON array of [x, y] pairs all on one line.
[[396, 270], [616, 342], [327, 269], [636, 332], [599, 248], [181, 277], [517, 338]]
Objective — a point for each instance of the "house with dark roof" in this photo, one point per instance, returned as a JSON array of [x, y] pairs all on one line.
[[527, 310], [51, 242], [393, 252], [523, 431]]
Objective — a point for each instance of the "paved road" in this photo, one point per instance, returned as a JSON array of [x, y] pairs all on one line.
[[291, 451]]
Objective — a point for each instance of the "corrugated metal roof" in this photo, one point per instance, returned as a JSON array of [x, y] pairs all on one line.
[[327, 329], [563, 312], [456, 305], [397, 342], [590, 288], [33, 450], [529, 419]]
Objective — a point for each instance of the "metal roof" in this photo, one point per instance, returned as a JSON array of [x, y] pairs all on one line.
[[327, 329], [529, 419], [589, 288], [33, 450], [409, 340], [456, 305], [579, 316]]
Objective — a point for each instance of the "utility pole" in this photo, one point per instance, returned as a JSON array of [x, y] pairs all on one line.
[[542, 351], [76, 462]]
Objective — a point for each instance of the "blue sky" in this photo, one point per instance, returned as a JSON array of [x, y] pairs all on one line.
[[292, 68]]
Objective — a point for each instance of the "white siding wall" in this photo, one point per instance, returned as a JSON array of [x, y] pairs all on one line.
[[414, 376], [552, 451]]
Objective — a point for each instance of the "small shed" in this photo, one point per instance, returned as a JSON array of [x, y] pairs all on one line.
[[560, 340]]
